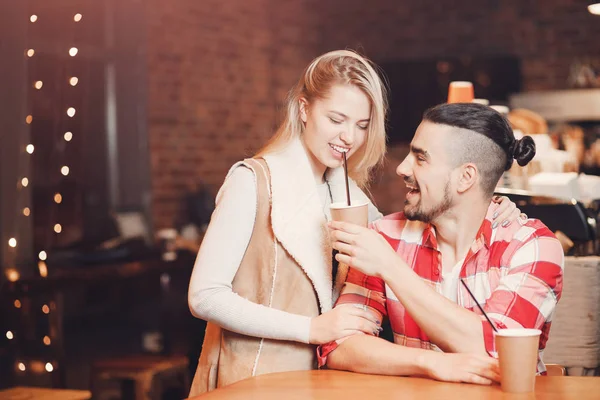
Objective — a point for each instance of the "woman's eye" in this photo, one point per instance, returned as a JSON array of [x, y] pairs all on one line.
[[363, 127], [335, 121]]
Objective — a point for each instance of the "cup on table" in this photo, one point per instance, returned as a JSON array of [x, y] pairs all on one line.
[[355, 214], [518, 357], [460, 92], [167, 243]]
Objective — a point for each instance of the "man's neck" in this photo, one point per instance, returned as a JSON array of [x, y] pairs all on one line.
[[457, 228]]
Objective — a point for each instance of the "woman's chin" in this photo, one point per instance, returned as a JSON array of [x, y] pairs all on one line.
[[331, 162]]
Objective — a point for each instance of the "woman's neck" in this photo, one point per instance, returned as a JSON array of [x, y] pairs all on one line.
[[317, 167]]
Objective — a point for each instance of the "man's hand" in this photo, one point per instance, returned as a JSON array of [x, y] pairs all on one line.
[[461, 367], [362, 249]]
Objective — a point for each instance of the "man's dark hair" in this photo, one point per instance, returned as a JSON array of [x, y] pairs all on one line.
[[484, 138]]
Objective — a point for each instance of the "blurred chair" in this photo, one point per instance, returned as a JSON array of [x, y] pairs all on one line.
[[142, 377], [574, 340], [572, 218], [555, 370]]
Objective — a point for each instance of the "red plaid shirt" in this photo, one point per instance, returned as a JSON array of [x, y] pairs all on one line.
[[515, 272]]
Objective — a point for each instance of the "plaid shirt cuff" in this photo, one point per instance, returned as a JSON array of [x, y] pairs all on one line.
[[323, 351], [489, 336], [326, 349]]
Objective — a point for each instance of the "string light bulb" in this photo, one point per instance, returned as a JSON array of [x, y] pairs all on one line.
[[42, 255], [49, 367], [30, 148], [24, 182], [64, 170], [9, 335], [45, 309], [77, 17], [47, 340], [73, 81], [29, 119], [30, 52], [26, 212], [57, 228], [17, 303], [36, 366], [33, 18], [58, 198], [12, 242], [21, 367], [73, 51], [68, 136], [12, 275], [594, 8], [71, 112], [43, 269]]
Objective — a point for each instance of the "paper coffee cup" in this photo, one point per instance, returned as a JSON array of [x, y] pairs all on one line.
[[518, 356], [460, 92], [167, 243], [355, 214]]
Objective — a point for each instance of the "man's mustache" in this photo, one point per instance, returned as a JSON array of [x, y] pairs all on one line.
[[411, 182]]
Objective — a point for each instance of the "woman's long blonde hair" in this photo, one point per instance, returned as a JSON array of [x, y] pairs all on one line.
[[340, 67]]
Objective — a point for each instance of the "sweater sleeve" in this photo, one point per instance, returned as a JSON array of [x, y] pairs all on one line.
[[210, 294]]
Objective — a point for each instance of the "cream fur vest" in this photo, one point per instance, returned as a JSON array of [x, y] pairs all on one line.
[[287, 266]]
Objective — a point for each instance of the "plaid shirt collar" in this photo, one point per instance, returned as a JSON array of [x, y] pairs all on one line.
[[482, 239]]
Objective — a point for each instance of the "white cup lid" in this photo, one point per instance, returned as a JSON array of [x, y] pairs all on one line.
[[343, 204], [461, 83], [518, 332]]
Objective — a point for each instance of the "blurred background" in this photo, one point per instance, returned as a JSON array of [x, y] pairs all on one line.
[[120, 119]]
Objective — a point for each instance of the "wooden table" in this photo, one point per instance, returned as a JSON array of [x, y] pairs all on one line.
[[31, 393], [313, 385]]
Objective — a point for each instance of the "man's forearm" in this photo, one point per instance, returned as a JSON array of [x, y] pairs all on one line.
[[448, 325], [372, 355]]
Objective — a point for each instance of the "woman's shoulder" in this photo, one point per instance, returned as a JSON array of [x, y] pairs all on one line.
[[240, 180], [247, 167]]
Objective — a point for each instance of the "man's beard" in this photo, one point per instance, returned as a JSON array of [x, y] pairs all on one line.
[[417, 213]]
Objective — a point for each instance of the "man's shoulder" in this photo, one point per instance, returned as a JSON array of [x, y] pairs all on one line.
[[529, 243], [397, 226], [524, 230], [526, 233]]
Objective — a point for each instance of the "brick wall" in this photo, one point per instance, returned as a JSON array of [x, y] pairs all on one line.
[[547, 35], [219, 70], [217, 73]]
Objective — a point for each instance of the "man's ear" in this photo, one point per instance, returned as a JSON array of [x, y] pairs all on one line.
[[467, 178]]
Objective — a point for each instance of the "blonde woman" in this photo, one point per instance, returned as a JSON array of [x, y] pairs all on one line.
[[263, 275]]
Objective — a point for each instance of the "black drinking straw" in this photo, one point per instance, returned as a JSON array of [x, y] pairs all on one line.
[[346, 174], [480, 308]]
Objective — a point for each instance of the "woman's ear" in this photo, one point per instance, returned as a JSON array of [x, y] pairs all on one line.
[[303, 103]]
